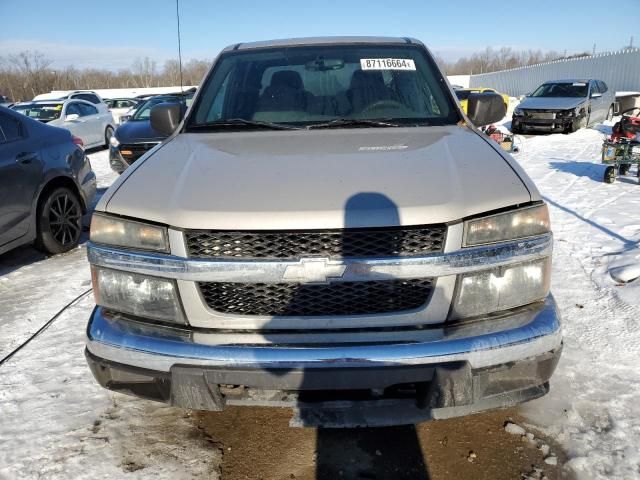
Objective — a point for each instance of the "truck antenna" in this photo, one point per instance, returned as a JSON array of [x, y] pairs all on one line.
[[179, 45]]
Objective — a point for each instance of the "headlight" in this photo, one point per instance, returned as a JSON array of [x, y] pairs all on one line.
[[481, 293], [512, 225], [518, 112], [113, 141], [566, 113], [128, 233], [140, 295]]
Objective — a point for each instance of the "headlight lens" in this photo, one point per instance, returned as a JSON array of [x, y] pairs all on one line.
[[521, 223], [566, 113], [140, 295], [113, 141], [517, 111], [128, 233], [481, 293]]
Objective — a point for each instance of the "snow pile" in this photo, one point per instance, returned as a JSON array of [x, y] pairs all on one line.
[[58, 423], [514, 429], [593, 408]]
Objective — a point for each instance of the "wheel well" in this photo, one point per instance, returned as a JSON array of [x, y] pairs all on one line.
[[58, 182]]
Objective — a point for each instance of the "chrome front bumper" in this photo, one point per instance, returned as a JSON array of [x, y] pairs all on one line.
[[492, 363], [527, 332]]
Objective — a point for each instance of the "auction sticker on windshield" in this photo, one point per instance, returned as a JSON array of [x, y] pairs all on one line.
[[387, 64]]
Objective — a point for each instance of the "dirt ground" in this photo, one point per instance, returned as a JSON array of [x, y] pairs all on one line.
[[257, 443]]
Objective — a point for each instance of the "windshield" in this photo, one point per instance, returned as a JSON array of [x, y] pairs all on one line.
[[310, 85], [144, 110], [44, 112], [564, 89]]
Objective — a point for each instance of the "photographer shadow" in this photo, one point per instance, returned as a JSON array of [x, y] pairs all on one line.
[[386, 452]]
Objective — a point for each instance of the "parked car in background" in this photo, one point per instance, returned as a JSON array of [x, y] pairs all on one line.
[[326, 230], [136, 136], [120, 107], [564, 106], [80, 117], [5, 101], [46, 184], [87, 95], [463, 96]]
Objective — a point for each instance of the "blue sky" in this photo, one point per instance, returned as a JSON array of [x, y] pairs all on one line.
[[111, 34]]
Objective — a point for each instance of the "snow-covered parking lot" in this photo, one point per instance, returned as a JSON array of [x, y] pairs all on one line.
[[56, 422]]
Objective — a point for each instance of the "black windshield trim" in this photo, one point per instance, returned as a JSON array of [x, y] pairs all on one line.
[[454, 117], [240, 123]]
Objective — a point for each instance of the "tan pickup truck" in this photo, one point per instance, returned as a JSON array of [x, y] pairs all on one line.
[[325, 229]]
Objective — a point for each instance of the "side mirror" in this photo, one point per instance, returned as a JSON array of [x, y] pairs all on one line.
[[596, 95], [72, 117], [485, 108], [165, 117]]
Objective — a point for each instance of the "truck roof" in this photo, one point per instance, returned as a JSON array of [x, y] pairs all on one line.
[[290, 42]]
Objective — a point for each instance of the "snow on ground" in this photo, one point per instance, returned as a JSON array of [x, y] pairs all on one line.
[[24, 305], [55, 422], [594, 405]]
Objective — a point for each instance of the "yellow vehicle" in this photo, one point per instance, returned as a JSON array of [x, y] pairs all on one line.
[[463, 95]]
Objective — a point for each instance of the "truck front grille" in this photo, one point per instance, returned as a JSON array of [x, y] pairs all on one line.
[[540, 114], [293, 299], [337, 243]]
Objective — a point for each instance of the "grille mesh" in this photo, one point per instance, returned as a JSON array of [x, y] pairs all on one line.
[[370, 242], [343, 298]]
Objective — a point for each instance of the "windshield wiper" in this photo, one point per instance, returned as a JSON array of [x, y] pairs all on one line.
[[353, 122], [240, 122]]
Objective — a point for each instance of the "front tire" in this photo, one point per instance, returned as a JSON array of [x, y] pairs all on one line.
[[108, 133], [610, 113], [610, 174], [59, 221]]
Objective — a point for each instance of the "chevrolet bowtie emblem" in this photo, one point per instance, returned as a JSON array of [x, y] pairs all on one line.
[[314, 270]]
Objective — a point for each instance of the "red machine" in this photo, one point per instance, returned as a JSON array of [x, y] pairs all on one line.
[[622, 148]]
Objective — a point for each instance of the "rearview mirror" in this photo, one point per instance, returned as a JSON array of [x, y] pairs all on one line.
[[165, 117], [485, 108], [71, 117], [323, 64], [596, 95]]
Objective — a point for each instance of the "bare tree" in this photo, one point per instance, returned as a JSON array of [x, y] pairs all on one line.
[[490, 60], [144, 71], [28, 73], [33, 67]]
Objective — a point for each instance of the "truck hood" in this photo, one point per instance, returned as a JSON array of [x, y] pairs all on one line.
[[551, 103], [263, 180]]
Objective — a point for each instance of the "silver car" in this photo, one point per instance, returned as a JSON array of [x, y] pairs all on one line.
[[82, 118], [325, 229], [564, 106]]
